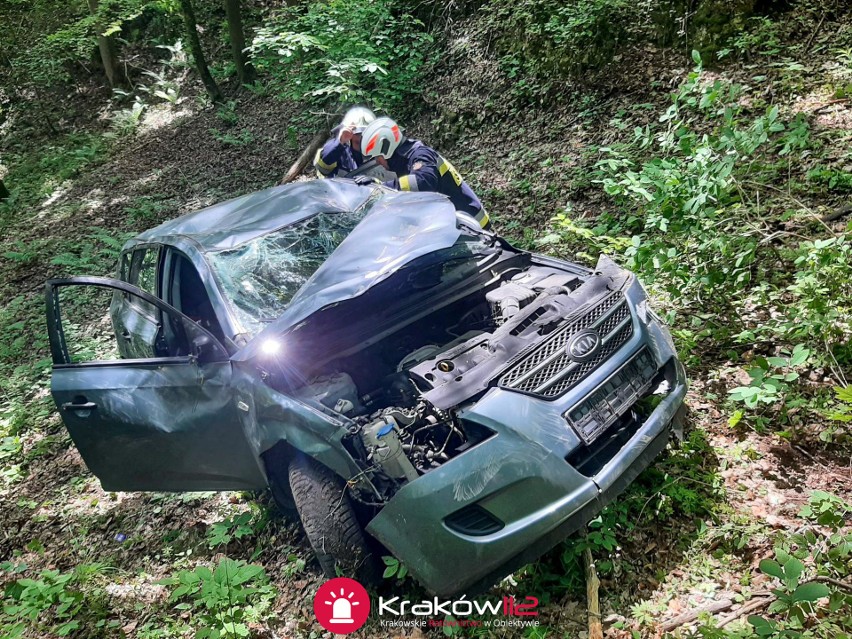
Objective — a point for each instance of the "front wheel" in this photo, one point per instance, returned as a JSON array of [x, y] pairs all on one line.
[[331, 524]]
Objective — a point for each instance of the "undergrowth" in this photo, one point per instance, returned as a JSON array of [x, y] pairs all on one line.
[[701, 214], [379, 57]]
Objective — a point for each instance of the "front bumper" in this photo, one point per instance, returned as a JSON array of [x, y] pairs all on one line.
[[521, 477]]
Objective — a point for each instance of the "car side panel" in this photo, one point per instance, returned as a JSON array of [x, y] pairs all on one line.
[[270, 417]]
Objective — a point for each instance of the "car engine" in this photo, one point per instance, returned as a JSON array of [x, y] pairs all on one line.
[[407, 425]]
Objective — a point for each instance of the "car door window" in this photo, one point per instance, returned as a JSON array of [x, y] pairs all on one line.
[[99, 323], [185, 290], [143, 273], [124, 267]]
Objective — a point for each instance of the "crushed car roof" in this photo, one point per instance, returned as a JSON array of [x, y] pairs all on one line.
[[232, 223], [398, 228]]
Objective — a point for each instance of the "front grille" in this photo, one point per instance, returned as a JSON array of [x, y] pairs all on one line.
[[548, 371]]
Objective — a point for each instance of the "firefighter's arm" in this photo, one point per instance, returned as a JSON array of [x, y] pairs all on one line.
[[423, 176], [328, 156]]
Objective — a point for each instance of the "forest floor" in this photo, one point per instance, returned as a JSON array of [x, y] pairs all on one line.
[[745, 485]]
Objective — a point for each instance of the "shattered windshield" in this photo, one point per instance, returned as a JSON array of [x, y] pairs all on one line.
[[260, 277]]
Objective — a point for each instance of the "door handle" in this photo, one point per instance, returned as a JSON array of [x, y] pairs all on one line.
[[82, 406]]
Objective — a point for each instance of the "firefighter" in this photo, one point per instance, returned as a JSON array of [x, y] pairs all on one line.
[[341, 154], [418, 167]]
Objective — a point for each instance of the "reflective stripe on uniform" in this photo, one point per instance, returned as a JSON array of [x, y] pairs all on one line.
[[482, 218], [408, 183], [323, 168], [446, 167]]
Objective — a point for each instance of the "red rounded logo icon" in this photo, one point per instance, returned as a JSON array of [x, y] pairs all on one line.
[[341, 605]]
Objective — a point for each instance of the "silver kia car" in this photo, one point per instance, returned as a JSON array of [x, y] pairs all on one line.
[[404, 381]]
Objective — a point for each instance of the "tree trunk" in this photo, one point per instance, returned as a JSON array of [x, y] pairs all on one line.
[[4, 192], [245, 71], [105, 46], [197, 53], [305, 158]]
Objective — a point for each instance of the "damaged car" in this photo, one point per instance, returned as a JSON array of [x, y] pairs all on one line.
[[402, 380]]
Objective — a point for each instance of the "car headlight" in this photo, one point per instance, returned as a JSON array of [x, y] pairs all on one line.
[[647, 315]]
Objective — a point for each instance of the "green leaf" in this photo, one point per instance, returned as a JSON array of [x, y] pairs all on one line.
[[799, 356], [246, 573], [771, 568], [762, 627], [450, 630], [389, 572], [239, 629], [811, 591], [844, 394], [696, 57], [793, 568], [66, 628], [204, 573]]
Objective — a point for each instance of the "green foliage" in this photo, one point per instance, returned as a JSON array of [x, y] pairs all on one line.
[[245, 524], [54, 602], [233, 139], [69, 39], [96, 253], [345, 51], [682, 228], [690, 216], [29, 600], [826, 510], [821, 291], [770, 378], [560, 39], [145, 211], [795, 599], [841, 413], [832, 179], [394, 568], [761, 37], [808, 571], [34, 176], [587, 244], [126, 121], [227, 113], [225, 600]]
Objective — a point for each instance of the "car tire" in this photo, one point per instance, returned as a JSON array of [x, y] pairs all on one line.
[[331, 524], [279, 486]]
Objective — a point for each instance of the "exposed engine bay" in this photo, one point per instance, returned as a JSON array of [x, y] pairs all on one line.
[[402, 392]]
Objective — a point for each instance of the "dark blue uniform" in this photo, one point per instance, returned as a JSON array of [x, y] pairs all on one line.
[[335, 158], [421, 168]]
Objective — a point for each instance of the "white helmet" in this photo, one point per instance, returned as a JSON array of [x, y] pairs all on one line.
[[357, 118], [381, 138]]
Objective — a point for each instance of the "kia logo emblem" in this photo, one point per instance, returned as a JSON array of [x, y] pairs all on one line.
[[583, 346]]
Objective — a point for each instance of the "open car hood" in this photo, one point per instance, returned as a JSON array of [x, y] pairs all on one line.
[[399, 228]]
